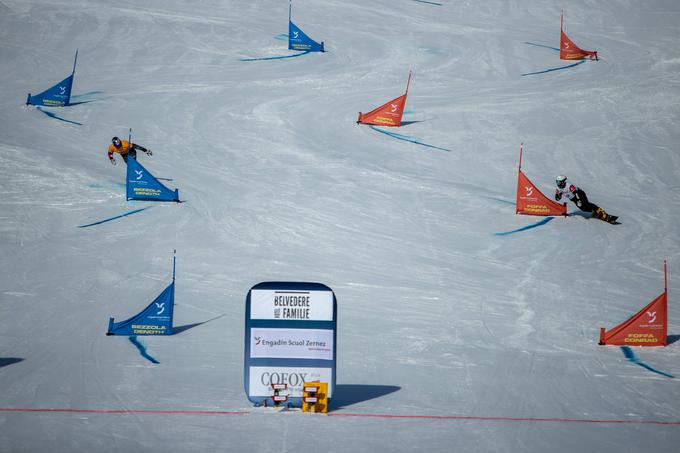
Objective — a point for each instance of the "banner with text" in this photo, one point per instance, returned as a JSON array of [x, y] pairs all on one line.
[[261, 379], [290, 334], [291, 305], [292, 343]]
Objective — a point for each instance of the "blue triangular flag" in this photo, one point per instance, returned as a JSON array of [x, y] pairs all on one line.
[[155, 319], [142, 185], [298, 40], [58, 95]]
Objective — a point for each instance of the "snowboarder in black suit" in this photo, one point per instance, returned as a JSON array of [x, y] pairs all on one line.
[[571, 192]]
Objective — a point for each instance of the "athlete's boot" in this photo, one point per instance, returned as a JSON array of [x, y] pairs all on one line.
[[602, 215]]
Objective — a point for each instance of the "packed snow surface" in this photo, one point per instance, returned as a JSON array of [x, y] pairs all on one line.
[[481, 342]]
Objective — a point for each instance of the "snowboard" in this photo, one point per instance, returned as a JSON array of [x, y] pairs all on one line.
[[601, 214]]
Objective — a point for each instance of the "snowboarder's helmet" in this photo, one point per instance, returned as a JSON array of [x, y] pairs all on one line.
[[116, 142], [561, 181]]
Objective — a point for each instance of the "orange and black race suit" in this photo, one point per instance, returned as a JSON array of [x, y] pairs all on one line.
[[126, 148]]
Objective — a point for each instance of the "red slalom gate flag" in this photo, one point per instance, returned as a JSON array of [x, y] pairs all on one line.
[[569, 50], [648, 327], [388, 114], [530, 200]]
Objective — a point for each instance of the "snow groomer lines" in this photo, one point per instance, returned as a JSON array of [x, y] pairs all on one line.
[[453, 307]]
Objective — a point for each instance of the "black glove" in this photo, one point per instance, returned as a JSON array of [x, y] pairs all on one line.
[[113, 161], [148, 152]]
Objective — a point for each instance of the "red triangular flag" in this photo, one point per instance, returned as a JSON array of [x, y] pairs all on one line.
[[569, 50], [531, 201], [388, 114], [648, 327]]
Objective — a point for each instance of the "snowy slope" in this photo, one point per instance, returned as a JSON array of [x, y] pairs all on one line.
[[438, 316]]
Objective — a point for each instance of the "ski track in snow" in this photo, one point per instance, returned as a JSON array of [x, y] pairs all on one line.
[[438, 317]]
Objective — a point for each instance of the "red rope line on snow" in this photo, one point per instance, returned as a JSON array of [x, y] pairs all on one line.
[[349, 415]]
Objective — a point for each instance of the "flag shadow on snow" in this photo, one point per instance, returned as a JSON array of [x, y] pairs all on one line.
[[348, 394], [585, 215], [85, 98], [671, 339], [179, 329], [5, 361], [57, 117]]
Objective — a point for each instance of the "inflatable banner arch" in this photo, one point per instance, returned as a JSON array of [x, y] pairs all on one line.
[[155, 319], [569, 50], [58, 95], [388, 114], [530, 200], [297, 39], [648, 327], [290, 339]]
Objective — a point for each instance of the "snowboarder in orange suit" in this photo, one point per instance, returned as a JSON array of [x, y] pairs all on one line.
[[125, 149]]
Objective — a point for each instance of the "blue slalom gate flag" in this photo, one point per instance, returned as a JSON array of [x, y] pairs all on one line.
[[142, 185], [155, 319], [58, 95], [298, 40]]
